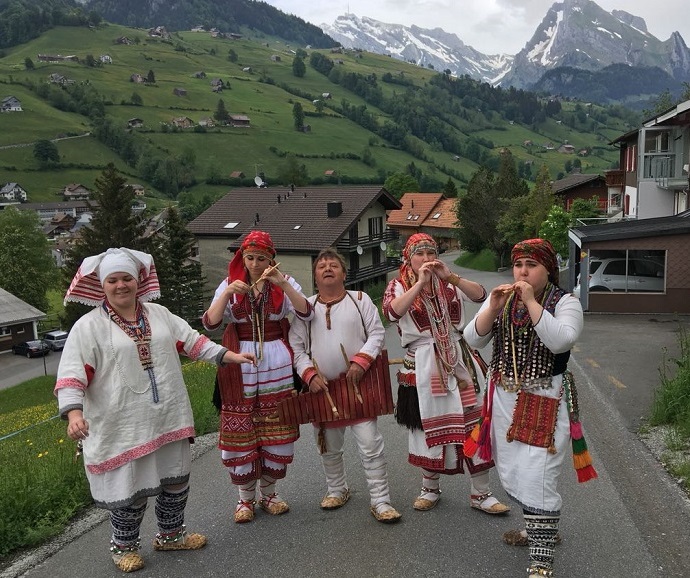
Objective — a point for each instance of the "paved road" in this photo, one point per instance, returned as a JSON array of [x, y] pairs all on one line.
[[631, 522], [15, 369]]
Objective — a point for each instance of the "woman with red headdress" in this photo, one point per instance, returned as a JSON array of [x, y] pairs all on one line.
[[530, 413], [440, 383], [255, 301]]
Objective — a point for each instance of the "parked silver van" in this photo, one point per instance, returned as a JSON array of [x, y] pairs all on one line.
[[55, 339]]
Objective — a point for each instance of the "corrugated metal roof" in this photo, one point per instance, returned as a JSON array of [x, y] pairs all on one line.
[[13, 310], [298, 222], [655, 227]]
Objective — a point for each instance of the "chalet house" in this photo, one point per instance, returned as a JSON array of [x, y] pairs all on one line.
[[18, 320], [60, 224], [105, 58], [247, 69], [207, 122], [158, 32], [13, 192], [329, 173], [139, 190], [430, 213], [56, 78], [582, 186], [57, 58], [123, 40], [301, 223], [239, 120], [567, 149], [198, 28], [326, 95], [217, 82], [200, 74], [234, 35], [135, 123], [237, 175], [179, 92], [275, 57], [182, 122], [10, 104], [46, 211], [217, 88], [75, 192], [650, 246], [138, 78]]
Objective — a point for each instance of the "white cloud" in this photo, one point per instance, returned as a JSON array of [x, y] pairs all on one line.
[[490, 26]]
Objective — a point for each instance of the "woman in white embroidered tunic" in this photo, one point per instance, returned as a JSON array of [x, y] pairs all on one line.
[[255, 300], [121, 388], [439, 386], [534, 324]]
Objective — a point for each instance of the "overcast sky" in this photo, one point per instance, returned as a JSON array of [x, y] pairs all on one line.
[[490, 26]]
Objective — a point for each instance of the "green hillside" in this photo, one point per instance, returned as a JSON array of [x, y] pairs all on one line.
[[384, 116]]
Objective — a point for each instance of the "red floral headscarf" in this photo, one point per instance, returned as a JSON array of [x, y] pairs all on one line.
[[256, 242], [541, 251], [415, 243]]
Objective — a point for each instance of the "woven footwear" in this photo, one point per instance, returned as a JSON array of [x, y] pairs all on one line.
[[517, 538], [423, 504], [244, 512], [539, 572], [335, 502], [128, 558], [488, 504], [387, 515], [180, 540], [274, 505]]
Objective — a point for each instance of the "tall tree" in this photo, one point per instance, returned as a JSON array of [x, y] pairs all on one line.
[[398, 184], [113, 224], [151, 77], [449, 189], [299, 69], [181, 278], [540, 200], [27, 269], [291, 172], [221, 114], [477, 215], [298, 115]]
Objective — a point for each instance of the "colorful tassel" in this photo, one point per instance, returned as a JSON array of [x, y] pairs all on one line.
[[586, 474], [576, 430], [579, 446], [485, 440], [471, 446], [582, 460]]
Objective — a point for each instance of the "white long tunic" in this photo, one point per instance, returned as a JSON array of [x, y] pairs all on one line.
[[101, 372], [529, 474]]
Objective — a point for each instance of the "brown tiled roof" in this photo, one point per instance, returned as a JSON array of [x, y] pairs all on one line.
[[447, 217], [297, 223], [416, 207], [574, 180]]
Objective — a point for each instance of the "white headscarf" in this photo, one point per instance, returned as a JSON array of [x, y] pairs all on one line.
[[87, 285]]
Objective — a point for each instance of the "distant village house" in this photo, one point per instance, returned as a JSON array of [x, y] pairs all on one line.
[[239, 120], [13, 192], [179, 92], [10, 104], [75, 192]]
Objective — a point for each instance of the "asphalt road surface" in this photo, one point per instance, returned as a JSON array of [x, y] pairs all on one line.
[[631, 522]]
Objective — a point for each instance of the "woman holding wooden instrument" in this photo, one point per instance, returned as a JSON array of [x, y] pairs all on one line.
[[439, 385], [530, 412], [255, 300]]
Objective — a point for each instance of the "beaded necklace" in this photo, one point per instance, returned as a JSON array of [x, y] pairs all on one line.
[[257, 304], [140, 333], [436, 306]]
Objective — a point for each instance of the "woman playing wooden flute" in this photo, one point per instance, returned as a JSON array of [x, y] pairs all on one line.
[[255, 300]]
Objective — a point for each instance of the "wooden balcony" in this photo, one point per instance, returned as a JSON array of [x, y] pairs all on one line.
[[615, 178], [350, 244], [372, 271]]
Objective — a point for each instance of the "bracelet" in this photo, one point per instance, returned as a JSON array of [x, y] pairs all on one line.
[[454, 279]]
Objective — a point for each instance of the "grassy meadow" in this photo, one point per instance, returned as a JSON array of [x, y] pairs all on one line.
[[42, 485], [258, 93]]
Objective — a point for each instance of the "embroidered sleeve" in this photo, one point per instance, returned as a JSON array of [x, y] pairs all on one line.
[[392, 291], [78, 362]]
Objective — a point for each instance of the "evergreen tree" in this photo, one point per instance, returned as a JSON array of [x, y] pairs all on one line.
[[299, 69], [151, 77], [298, 115], [477, 215], [181, 278], [27, 269], [113, 224], [28, 63], [291, 172], [45, 152], [449, 189], [221, 114], [540, 201]]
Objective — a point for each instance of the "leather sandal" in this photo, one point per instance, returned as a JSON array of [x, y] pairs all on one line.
[[126, 558], [388, 515], [517, 538], [335, 502], [423, 504], [274, 504], [478, 502], [244, 512]]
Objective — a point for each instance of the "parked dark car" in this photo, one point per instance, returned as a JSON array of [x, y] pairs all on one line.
[[35, 348]]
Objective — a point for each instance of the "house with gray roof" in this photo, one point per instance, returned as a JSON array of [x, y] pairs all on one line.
[[18, 321], [301, 222]]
